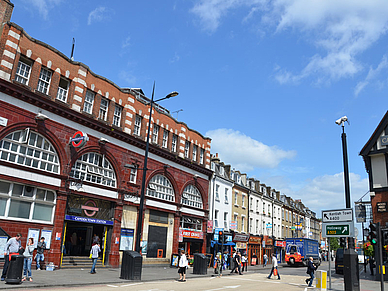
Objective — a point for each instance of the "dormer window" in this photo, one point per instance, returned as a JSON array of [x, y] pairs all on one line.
[[222, 170]]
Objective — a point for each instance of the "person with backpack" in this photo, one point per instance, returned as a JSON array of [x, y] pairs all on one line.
[[310, 270]]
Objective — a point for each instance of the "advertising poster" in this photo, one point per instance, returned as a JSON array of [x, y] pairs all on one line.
[[46, 233], [126, 239], [34, 233]]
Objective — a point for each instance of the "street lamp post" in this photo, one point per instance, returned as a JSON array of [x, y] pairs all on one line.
[[139, 228], [351, 277]]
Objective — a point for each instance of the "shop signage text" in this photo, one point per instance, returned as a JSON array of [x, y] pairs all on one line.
[[191, 233], [241, 237], [88, 220]]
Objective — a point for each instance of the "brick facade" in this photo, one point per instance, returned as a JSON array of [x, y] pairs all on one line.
[[20, 103]]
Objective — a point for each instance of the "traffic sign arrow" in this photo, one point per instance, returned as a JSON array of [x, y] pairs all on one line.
[[345, 230]]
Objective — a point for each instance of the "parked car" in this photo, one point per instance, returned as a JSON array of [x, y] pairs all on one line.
[[339, 261]]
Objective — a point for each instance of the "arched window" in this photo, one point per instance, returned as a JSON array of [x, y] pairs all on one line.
[[192, 197], [26, 202], [30, 149], [160, 187], [93, 167]]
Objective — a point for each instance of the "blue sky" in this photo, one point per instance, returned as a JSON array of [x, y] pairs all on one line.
[[266, 80]]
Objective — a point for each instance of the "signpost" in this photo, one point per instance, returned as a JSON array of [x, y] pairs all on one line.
[[337, 215], [338, 223]]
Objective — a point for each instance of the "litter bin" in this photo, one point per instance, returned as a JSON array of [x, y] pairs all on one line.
[[131, 266], [200, 264], [15, 270]]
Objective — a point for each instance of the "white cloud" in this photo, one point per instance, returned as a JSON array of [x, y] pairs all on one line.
[[324, 192], [44, 6], [129, 79], [126, 42], [372, 74], [99, 14], [245, 153], [339, 30]]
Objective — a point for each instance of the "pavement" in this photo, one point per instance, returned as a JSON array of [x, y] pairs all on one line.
[[62, 278]]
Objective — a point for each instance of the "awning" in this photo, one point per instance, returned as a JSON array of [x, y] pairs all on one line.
[[214, 242]]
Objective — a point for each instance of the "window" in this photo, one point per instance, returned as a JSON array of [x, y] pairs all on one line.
[[217, 195], [235, 218], [216, 218], [201, 155], [155, 133], [187, 149], [137, 128], [225, 220], [235, 198], [263, 207], [251, 204], [26, 202], [28, 148], [89, 100], [165, 138], [257, 226], [94, 168], [243, 224], [117, 115], [226, 196], [192, 197], [195, 153], [161, 187], [158, 216], [174, 143], [23, 71], [250, 225], [243, 201], [191, 223], [44, 81], [103, 109], [257, 206], [63, 88], [133, 175]]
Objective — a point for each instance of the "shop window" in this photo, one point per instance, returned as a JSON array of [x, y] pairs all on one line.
[[192, 197], [158, 216], [28, 148], [191, 223], [160, 187], [26, 202], [94, 168]]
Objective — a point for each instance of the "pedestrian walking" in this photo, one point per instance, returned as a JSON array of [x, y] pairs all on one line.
[[39, 257], [237, 264], [371, 265], [311, 267], [183, 264], [243, 263], [265, 260], [94, 252], [274, 269], [12, 247], [218, 265], [28, 260]]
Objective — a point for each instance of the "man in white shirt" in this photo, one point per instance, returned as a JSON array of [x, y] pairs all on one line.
[[274, 267]]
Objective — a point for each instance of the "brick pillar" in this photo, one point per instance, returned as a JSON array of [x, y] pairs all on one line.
[[6, 8], [114, 253], [56, 245]]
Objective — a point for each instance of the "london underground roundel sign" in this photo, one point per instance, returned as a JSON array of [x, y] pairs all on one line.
[[79, 139]]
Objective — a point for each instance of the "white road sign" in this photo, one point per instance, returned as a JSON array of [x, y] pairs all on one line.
[[337, 215]]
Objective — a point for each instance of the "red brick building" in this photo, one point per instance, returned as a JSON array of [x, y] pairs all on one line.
[[67, 137]]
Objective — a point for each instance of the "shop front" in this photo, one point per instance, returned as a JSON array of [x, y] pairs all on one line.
[[87, 220], [267, 247], [254, 250], [241, 240], [279, 248], [191, 236]]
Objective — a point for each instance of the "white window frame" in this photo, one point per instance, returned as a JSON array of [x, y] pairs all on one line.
[[243, 201], [201, 156], [236, 198], [217, 193], [117, 115], [44, 81], [137, 126], [160, 187], [187, 149], [133, 175], [23, 72], [226, 196], [155, 133], [195, 147], [174, 143], [192, 197], [165, 139], [216, 218], [103, 112], [62, 91], [225, 220], [89, 101]]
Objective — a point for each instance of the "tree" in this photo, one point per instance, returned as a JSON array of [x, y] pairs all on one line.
[[334, 243]]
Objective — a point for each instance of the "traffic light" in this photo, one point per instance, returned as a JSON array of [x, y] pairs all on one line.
[[373, 233], [220, 236], [384, 233], [343, 242]]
